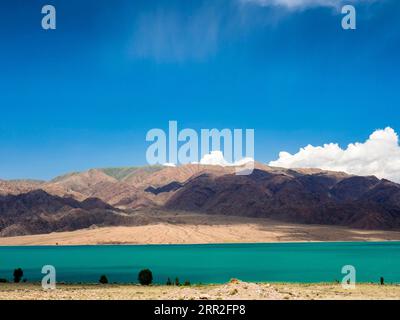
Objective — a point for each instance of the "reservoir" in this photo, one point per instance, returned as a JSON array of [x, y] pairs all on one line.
[[208, 263]]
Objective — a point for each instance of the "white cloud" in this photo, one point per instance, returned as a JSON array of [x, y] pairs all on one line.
[[214, 158], [217, 158], [169, 164], [302, 4], [379, 155]]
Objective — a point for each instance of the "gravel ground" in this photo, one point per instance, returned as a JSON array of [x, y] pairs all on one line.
[[233, 290]]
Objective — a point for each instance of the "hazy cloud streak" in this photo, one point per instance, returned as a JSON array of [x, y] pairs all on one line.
[[167, 35], [303, 4]]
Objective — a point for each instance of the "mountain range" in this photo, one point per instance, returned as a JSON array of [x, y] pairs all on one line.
[[111, 196]]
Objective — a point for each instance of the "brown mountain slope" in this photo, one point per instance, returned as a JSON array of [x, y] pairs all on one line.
[[39, 212], [83, 182], [128, 188], [18, 186], [320, 197], [178, 174], [303, 196], [98, 183]]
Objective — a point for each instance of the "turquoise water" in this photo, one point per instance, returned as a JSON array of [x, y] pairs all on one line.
[[212, 263]]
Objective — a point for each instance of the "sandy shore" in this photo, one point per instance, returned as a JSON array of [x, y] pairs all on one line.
[[233, 290], [192, 228]]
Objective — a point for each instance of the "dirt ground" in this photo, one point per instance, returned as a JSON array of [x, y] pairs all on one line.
[[235, 290]]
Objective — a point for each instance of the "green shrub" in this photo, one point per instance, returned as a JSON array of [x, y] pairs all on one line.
[[2, 280], [177, 281], [169, 283], [103, 279], [18, 274], [145, 277], [186, 283]]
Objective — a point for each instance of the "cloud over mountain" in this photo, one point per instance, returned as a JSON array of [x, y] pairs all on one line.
[[379, 155], [217, 158]]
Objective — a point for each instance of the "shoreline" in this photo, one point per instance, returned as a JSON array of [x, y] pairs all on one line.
[[233, 290], [193, 229], [194, 244], [194, 285]]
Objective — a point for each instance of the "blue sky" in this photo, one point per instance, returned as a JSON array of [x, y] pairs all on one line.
[[85, 94]]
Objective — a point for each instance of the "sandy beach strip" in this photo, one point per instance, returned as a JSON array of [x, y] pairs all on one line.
[[195, 229], [235, 290]]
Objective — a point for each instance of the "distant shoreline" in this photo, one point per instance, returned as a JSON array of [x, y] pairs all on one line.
[[177, 229], [194, 244]]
